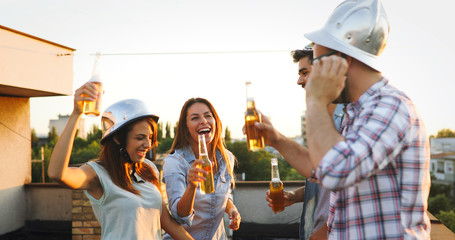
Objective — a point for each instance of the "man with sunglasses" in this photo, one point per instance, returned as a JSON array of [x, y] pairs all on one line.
[[378, 167]]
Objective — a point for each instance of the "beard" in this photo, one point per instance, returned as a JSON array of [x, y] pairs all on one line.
[[343, 97]]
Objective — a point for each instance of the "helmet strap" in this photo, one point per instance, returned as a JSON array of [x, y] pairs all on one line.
[[125, 155]]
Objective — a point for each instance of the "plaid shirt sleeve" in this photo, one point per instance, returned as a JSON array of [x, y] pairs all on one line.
[[382, 166], [372, 141]]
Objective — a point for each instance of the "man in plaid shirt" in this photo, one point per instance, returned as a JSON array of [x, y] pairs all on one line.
[[378, 167]]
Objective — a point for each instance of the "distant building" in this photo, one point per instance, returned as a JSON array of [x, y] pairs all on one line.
[[443, 161], [60, 123], [441, 167], [442, 145]]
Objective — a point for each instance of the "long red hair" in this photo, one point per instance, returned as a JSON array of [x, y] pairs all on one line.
[[183, 137]]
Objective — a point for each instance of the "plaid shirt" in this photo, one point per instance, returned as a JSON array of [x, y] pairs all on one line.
[[380, 174]]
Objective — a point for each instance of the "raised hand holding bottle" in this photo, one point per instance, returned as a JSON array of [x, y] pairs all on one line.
[[254, 140]]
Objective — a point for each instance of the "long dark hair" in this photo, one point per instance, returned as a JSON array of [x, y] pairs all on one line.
[[183, 137], [118, 167]]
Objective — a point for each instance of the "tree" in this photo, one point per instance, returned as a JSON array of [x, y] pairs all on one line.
[[448, 219], [85, 154], [168, 130], [95, 134], [159, 136], [255, 165], [445, 133], [164, 145], [34, 139], [175, 128], [437, 189], [227, 135], [438, 203], [52, 137], [36, 166]]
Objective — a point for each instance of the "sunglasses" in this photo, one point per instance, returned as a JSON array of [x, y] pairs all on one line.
[[326, 55]]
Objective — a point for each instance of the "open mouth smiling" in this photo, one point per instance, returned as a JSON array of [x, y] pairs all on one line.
[[204, 131]]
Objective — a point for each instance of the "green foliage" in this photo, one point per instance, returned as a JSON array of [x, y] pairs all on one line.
[[34, 139], [447, 218], [175, 128], [94, 135], [444, 133], [38, 153], [164, 145], [83, 151], [437, 189], [438, 203], [79, 143], [290, 174], [52, 138], [37, 166], [82, 155], [159, 136], [227, 135], [168, 130], [256, 165]]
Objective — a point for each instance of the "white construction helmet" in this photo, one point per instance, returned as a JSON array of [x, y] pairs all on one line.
[[358, 28], [121, 113]]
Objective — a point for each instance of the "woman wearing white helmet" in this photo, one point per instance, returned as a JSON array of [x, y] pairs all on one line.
[[122, 185]]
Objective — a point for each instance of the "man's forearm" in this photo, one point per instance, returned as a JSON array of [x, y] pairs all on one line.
[[321, 132], [295, 154]]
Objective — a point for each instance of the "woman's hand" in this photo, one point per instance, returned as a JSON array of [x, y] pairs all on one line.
[[87, 92], [196, 174], [234, 217]]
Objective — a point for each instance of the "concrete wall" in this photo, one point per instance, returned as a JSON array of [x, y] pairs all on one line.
[[29, 67], [15, 161], [30, 63], [48, 202]]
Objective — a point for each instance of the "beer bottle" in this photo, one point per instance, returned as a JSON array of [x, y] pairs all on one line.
[[208, 185], [276, 188], [93, 108], [254, 140]]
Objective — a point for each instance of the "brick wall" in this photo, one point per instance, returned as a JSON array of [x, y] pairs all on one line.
[[85, 226]]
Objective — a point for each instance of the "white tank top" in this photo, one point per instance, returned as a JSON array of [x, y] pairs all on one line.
[[124, 215]]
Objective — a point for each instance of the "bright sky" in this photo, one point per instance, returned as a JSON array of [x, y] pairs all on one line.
[[259, 33]]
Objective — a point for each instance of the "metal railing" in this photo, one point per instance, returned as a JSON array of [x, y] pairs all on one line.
[[42, 164]]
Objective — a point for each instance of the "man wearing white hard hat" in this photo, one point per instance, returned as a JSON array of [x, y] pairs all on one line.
[[378, 167]]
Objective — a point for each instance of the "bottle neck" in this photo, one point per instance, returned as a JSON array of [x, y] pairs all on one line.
[[96, 78], [202, 145], [275, 172], [250, 103]]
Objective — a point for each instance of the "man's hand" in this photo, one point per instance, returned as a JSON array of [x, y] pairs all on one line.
[[327, 79], [266, 129], [289, 198], [320, 234]]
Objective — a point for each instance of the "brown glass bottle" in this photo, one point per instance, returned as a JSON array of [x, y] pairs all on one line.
[[276, 188], [254, 140], [208, 185], [93, 108]]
